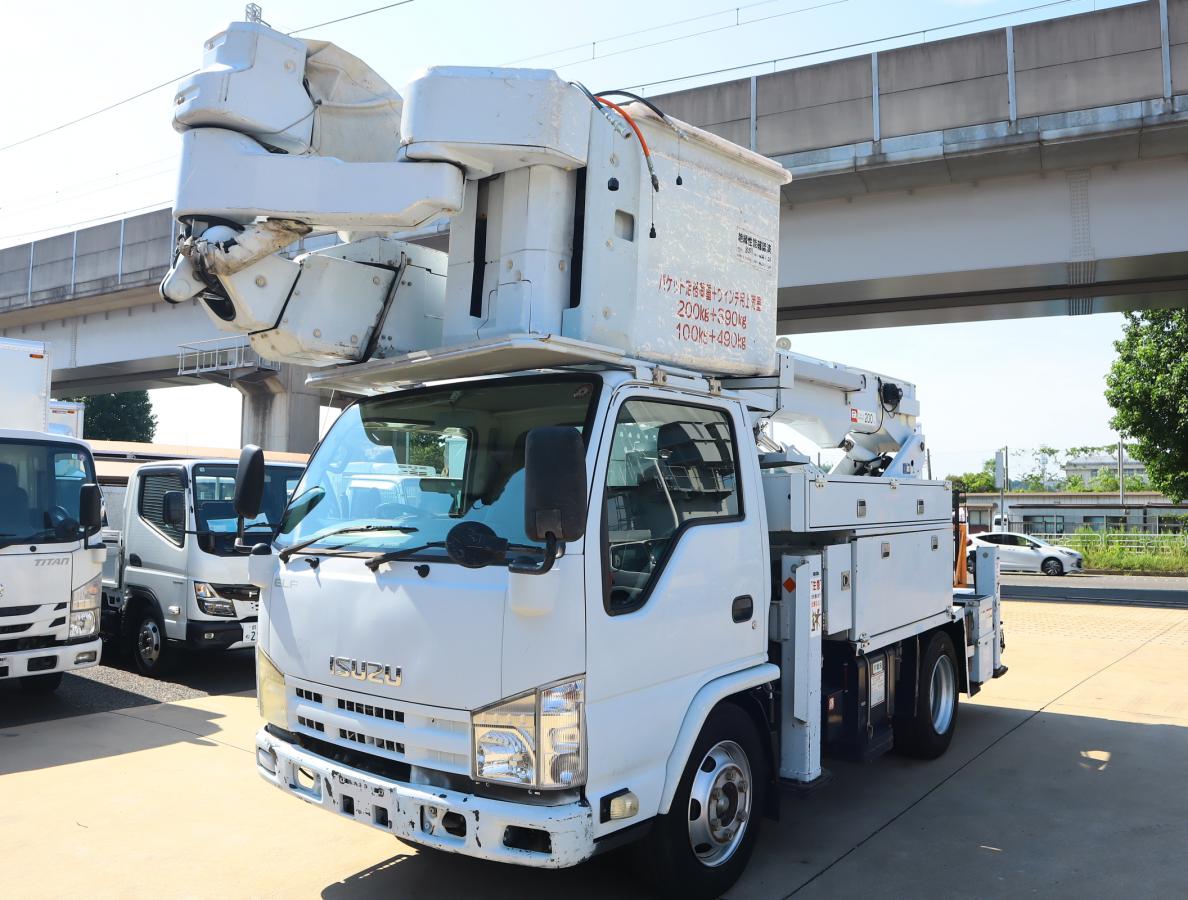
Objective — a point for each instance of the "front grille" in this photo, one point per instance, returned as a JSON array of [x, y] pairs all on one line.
[[309, 695], [392, 715], [17, 610], [245, 592], [40, 642], [369, 741], [310, 723], [16, 629]]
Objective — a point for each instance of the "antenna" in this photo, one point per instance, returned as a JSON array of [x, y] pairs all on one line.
[[254, 13]]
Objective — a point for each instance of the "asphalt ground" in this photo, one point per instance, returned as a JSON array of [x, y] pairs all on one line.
[[1066, 778], [1128, 590]]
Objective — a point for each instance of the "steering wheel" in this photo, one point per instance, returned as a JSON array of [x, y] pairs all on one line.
[[395, 510], [60, 520]]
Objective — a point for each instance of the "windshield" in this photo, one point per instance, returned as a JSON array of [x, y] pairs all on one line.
[[39, 491], [214, 493], [427, 459]]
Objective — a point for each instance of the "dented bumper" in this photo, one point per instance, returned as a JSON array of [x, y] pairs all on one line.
[[550, 837]]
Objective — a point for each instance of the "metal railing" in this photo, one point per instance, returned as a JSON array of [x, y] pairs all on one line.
[[223, 354], [1130, 541]]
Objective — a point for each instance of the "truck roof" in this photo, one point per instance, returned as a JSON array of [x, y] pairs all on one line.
[[22, 435]]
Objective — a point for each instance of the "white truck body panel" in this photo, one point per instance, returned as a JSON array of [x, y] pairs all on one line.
[[24, 384]]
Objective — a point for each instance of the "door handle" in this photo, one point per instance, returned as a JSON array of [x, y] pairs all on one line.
[[134, 560], [742, 608]]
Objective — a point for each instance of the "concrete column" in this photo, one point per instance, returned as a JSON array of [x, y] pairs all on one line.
[[279, 411]]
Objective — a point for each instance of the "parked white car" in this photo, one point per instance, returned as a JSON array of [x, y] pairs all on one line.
[[1023, 553]]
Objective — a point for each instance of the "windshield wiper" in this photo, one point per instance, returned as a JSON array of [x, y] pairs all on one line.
[[376, 561], [301, 545]]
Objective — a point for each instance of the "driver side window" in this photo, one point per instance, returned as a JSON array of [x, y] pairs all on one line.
[[671, 466]]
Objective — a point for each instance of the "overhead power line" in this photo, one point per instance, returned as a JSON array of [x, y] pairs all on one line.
[[365, 12], [638, 31], [853, 46], [178, 78]]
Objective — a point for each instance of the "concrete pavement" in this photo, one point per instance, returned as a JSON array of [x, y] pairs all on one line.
[[1066, 777]]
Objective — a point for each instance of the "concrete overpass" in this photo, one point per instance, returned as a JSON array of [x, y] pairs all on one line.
[[1034, 170]]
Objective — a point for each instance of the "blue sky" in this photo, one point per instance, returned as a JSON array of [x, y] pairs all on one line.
[[981, 385]]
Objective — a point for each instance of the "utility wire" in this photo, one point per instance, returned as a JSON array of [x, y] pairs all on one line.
[[178, 78], [107, 217], [365, 12], [694, 34], [639, 31], [867, 43], [97, 112]]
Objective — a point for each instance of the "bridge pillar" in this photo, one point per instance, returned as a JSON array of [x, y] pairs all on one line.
[[279, 411]]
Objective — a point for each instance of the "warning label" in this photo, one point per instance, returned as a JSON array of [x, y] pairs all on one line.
[[752, 249]]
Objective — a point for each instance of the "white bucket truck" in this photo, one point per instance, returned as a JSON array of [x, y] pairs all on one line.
[[174, 578], [50, 510], [623, 610]]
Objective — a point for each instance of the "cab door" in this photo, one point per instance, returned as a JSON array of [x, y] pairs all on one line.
[[678, 572], [155, 550]]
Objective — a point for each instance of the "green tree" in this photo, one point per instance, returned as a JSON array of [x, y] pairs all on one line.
[[1148, 388], [119, 417], [975, 482]]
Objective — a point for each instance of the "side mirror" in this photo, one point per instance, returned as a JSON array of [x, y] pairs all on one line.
[[173, 509], [554, 491], [249, 482], [90, 508], [249, 495]]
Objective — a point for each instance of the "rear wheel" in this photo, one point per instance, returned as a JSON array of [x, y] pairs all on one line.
[[1052, 566], [928, 733], [41, 684], [701, 846]]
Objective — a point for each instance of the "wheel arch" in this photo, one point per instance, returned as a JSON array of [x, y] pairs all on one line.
[[736, 687]]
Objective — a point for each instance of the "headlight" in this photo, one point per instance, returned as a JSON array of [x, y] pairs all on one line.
[[84, 609], [270, 691], [535, 740], [210, 602]]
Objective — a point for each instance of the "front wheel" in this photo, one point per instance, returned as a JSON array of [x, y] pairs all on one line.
[[701, 846], [151, 653], [928, 733], [1052, 567], [41, 684]]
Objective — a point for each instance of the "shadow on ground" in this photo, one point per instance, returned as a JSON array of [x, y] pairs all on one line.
[[1064, 804]]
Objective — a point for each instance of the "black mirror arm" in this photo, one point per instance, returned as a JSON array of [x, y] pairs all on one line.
[[522, 565]]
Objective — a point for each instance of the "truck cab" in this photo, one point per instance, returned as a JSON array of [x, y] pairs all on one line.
[[176, 578], [50, 558]]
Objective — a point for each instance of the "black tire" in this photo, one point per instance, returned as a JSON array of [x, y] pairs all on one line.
[[928, 733], [145, 641], [41, 684], [667, 855], [1052, 566]]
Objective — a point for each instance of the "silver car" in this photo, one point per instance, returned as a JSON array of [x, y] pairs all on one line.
[[1023, 553]]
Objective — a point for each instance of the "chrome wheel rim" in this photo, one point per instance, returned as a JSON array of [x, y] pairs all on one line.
[[1052, 567], [720, 803], [149, 642], [943, 693]]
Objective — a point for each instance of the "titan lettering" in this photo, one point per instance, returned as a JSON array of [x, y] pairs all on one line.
[[362, 670]]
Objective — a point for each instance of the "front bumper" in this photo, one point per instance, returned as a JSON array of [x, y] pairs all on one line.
[[46, 661], [418, 813], [220, 634]]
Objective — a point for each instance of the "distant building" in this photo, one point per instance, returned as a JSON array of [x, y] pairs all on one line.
[[1088, 466], [1065, 513]]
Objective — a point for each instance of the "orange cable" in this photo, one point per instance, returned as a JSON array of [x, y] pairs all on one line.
[[630, 121]]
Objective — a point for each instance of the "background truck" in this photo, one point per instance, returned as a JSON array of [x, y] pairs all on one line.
[[173, 576], [630, 610], [50, 553]]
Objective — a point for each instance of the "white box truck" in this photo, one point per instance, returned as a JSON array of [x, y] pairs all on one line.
[[174, 579], [622, 608], [50, 511]]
